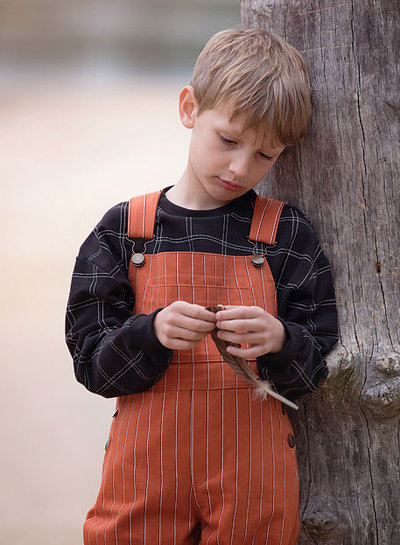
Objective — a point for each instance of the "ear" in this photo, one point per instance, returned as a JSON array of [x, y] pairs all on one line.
[[188, 107]]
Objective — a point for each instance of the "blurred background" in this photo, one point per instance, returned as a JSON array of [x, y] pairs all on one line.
[[88, 118]]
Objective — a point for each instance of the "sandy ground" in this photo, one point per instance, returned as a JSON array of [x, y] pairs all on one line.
[[68, 153]]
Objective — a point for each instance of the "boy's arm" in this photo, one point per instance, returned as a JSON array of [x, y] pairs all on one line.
[[306, 308], [114, 352]]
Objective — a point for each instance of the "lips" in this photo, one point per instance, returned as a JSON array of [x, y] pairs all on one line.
[[230, 186]]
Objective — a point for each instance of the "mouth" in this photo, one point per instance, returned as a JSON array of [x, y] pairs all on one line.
[[230, 186]]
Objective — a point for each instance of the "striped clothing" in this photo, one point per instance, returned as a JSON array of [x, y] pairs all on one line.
[[190, 446], [198, 450], [116, 353]]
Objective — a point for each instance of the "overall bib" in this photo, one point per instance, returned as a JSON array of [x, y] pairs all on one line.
[[198, 450]]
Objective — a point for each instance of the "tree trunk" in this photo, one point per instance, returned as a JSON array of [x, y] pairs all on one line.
[[344, 175]]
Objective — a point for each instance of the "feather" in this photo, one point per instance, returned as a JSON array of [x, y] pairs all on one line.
[[240, 366]]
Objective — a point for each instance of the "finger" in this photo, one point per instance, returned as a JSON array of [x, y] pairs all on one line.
[[196, 311], [230, 307], [229, 312], [193, 324], [239, 312], [239, 325], [185, 334], [246, 353], [240, 338]]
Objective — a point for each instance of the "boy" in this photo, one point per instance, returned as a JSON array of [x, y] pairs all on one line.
[[191, 449]]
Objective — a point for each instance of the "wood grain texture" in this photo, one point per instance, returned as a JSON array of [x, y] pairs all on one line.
[[345, 176]]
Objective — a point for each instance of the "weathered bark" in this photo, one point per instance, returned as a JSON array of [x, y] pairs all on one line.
[[345, 176]]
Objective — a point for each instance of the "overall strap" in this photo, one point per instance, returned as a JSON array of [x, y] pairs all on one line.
[[142, 214], [265, 220]]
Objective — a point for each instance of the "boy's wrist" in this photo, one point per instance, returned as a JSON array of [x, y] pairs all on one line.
[[278, 362], [146, 340], [280, 338]]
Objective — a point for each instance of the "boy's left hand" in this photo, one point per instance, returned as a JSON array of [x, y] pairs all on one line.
[[252, 326]]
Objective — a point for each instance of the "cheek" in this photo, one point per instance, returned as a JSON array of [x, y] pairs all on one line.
[[261, 171], [198, 150], [268, 167], [211, 156], [202, 146]]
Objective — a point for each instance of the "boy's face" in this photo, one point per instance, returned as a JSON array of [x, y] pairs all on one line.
[[224, 161]]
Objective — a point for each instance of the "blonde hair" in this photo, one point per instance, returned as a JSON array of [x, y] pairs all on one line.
[[262, 77]]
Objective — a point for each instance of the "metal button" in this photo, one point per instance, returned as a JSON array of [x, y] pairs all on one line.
[[138, 260], [258, 260], [291, 441]]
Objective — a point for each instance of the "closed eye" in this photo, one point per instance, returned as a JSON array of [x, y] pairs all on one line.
[[264, 156], [229, 141], [225, 139]]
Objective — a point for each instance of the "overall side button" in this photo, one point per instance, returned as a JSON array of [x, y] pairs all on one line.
[[258, 260], [138, 259]]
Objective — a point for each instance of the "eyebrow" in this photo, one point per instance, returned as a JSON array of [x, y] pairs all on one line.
[[232, 130]]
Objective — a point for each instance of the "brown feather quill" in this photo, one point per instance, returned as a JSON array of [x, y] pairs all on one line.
[[240, 366]]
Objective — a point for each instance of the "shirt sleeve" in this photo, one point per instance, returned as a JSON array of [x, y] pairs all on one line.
[[306, 308], [114, 352]]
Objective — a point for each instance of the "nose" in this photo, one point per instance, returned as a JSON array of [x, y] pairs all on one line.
[[240, 165]]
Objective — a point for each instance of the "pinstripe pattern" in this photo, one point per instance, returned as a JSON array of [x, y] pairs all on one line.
[[198, 448], [100, 327], [263, 227], [265, 220], [143, 206]]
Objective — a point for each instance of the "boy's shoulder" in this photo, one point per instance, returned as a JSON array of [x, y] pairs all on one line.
[[114, 218], [293, 221], [290, 212], [294, 225], [109, 231]]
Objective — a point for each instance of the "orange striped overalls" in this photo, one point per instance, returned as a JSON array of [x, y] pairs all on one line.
[[198, 449]]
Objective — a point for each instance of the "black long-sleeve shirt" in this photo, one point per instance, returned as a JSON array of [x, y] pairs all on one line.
[[116, 353]]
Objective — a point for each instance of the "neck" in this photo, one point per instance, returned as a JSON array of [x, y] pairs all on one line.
[[190, 195]]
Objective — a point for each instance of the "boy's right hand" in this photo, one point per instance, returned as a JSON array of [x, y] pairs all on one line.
[[182, 325]]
